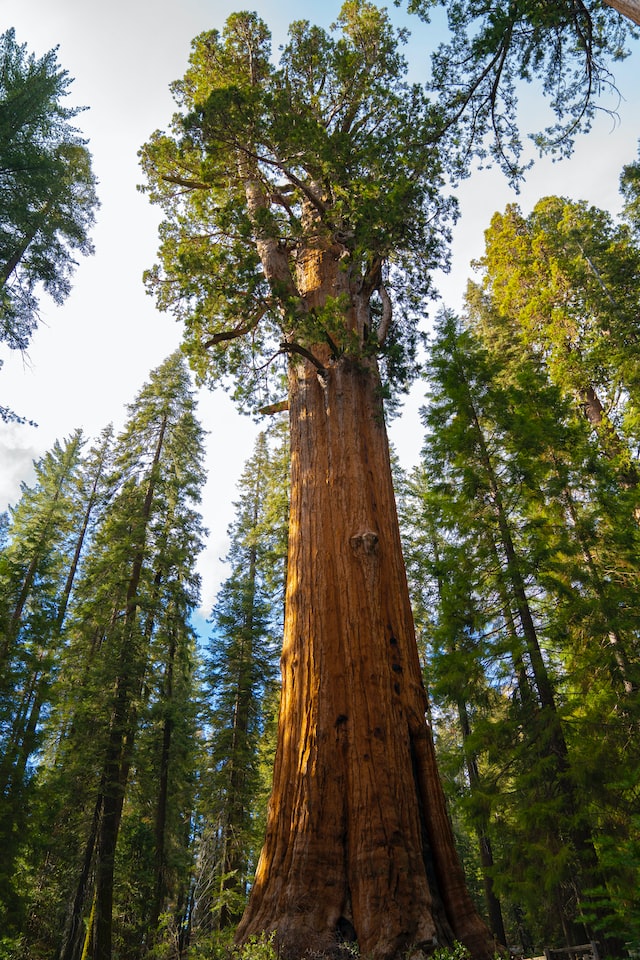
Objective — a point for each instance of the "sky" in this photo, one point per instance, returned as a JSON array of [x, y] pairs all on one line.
[[90, 356]]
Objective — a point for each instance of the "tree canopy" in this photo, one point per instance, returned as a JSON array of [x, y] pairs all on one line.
[[261, 161], [47, 188], [568, 49]]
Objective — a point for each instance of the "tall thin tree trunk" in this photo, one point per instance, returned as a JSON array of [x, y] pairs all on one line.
[[122, 731], [494, 908], [77, 553], [162, 805], [621, 671], [236, 812], [73, 935], [23, 741], [8, 268], [555, 739]]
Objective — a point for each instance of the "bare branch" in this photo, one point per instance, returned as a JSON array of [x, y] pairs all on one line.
[[184, 182], [280, 407], [387, 313], [287, 347]]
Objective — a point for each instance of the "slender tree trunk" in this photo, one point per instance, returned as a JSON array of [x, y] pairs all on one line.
[[77, 553], [122, 731], [73, 937], [16, 615], [117, 765], [620, 670], [8, 268], [162, 806], [24, 737], [233, 861], [359, 844], [494, 908], [547, 716]]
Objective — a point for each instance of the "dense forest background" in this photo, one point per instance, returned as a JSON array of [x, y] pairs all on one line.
[[136, 751], [521, 535]]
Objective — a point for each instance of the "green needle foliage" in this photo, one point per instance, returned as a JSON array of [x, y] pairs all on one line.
[[34, 566], [104, 841], [630, 189], [563, 283], [567, 49], [258, 154], [47, 188], [524, 569], [241, 682]]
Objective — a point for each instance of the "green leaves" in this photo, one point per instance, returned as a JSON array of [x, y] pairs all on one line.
[[522, 553], [630, 189], [563, 282]]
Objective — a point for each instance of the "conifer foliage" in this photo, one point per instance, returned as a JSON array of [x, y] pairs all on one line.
[[522, 541], [102, 680], [47, 188], [241, 685]]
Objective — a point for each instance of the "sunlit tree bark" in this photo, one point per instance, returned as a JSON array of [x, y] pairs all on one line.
[[307, 202]]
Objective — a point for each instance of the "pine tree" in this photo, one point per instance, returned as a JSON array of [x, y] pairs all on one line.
[[47, 188], [503, 455], [441, 575], [630, 190], [247, 625], [127, 633], [591, 572], [36, 565], [563, 281]]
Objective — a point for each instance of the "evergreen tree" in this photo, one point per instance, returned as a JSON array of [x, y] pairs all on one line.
[[590, 573], [34, 566], [129, 651], [509, 587], [563, 282], [47, 188], [630, 189], [247, 621], [302, 217]]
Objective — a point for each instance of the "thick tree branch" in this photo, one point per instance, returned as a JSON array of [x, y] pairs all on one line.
[[287, 347], [274, 259], [184, 182], [240, 331], [280, 407], [628, 8]]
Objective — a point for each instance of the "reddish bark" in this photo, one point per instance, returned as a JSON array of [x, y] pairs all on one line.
[[628, 8], [358, 840], [359, 844]]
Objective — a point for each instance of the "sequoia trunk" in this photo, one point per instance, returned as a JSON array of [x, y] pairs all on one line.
[[359, 844]]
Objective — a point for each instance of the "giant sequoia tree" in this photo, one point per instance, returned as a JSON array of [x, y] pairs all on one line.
[[299, 202]]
